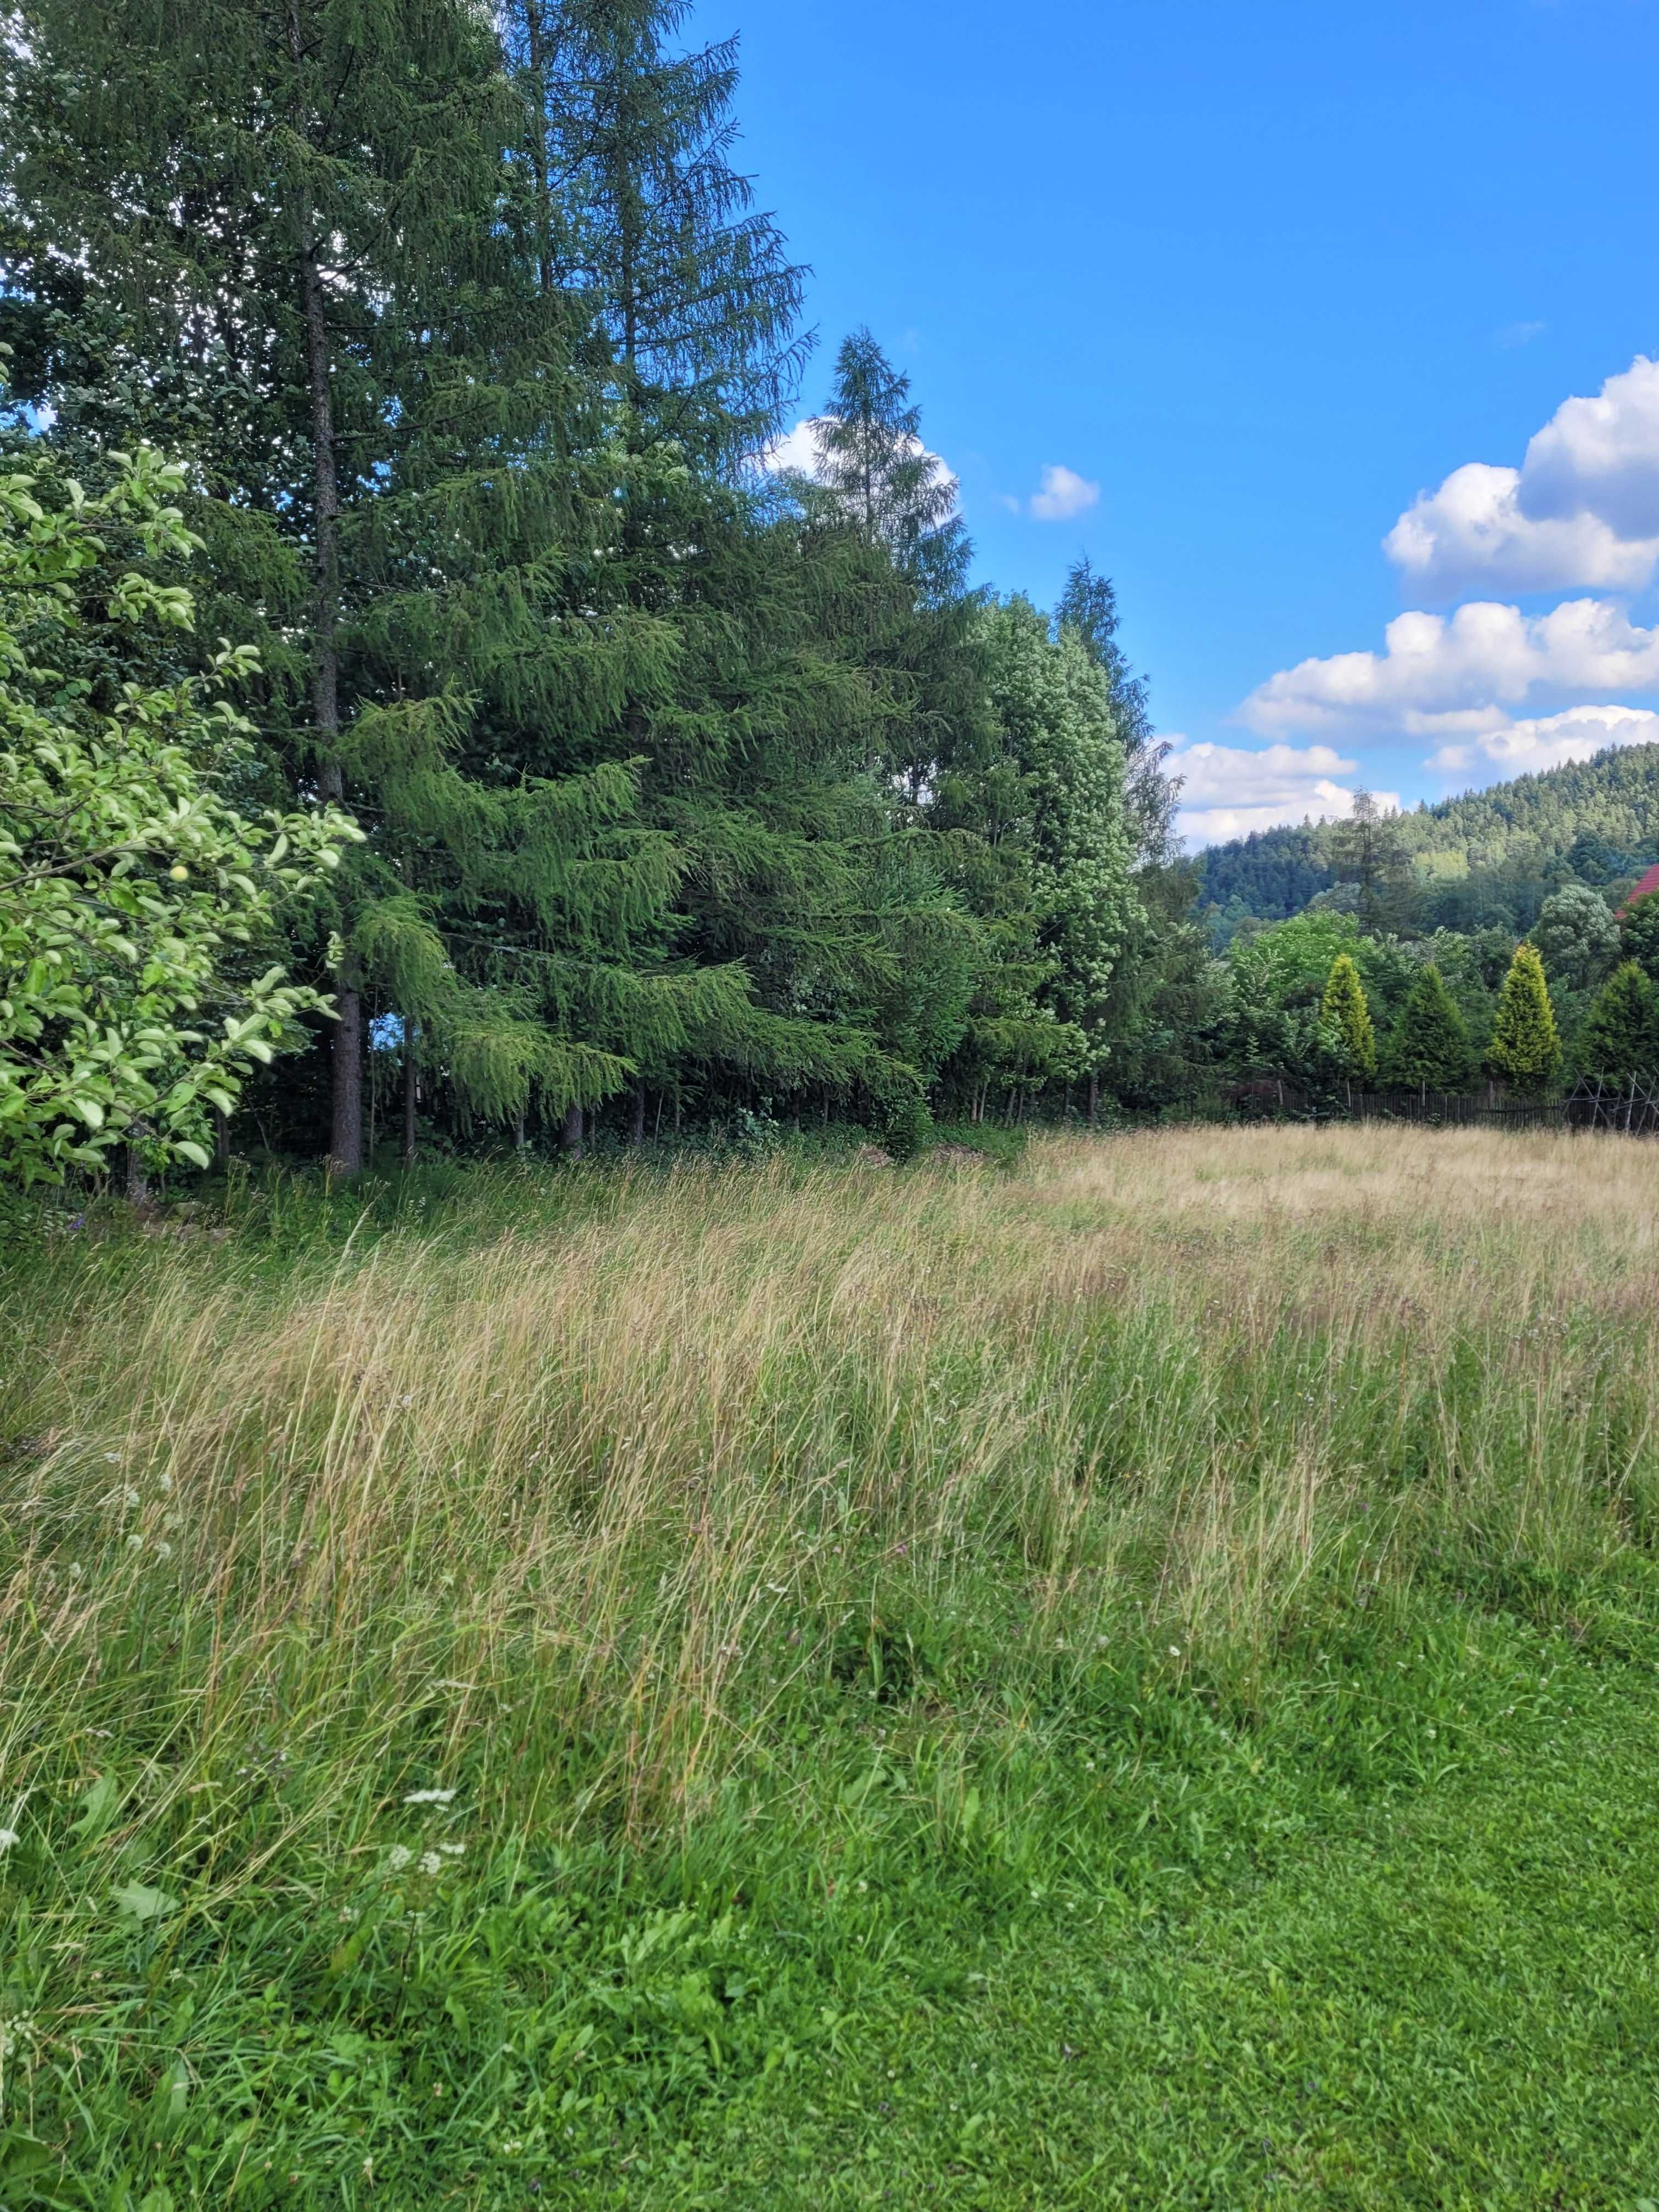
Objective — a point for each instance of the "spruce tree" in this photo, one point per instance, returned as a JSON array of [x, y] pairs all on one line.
[[1367, 851], [1619, 1039], [1346, 1017], [642, 217], [1525, 1050], [874, 467], [1428, 1048]]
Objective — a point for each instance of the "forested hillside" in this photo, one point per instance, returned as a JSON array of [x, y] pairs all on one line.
[[1488, 857]]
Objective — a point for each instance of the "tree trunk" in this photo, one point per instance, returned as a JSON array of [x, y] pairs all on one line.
[[345, 1156], [346, 1134], [639, 1114], [410, 1096], [221, 1137], [134, 1176], [1094, 1100], [534, 30], [570, 1133]]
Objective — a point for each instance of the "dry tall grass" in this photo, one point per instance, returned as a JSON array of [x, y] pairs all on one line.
[[578, 1512]]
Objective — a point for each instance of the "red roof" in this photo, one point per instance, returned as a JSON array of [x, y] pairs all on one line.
[[1649, 882]]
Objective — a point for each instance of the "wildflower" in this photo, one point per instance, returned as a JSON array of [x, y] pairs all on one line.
[[135, 1542], [8, 1838], [1175, 1652], [164, 1550], [399, 1857], [453, 1851], [431, 1863], [429, 1797], [164, 1484]]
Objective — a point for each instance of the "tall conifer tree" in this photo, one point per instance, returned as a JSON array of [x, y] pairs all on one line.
[[1620, 1039], [1346, 1019], [1428, 1046], [1526, 1048]]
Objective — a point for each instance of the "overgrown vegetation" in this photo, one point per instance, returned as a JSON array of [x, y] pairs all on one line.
[[1125, 1681]]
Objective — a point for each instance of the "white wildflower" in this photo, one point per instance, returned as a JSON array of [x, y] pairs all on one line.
[[8, 1838], [429, 1797], [135, 1542], [431, 1863], [399, 1857], [453, 1851], [164, 1484], [164, 1550]]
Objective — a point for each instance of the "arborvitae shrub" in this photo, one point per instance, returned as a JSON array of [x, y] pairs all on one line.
[[1526, 1046], [1347, 1018]]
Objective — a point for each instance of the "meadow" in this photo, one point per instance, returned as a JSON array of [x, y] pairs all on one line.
[[1125, 1678]]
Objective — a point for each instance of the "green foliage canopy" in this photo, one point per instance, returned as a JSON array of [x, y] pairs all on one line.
[[133, 892]]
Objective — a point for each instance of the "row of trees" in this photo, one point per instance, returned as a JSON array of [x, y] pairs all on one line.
[[1428, 1045], [631, 777]]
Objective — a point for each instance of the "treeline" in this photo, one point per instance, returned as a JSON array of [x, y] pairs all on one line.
[[684, 788], [1488, 860]]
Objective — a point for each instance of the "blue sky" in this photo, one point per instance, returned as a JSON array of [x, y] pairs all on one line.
[[1261, 276]]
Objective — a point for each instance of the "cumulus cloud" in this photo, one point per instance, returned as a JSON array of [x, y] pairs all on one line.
[[1229, 790], [1064, 493], [796, 451], [1601, 456], [1519, 748], [1583, 509], [1460, 675], [1473, 531]]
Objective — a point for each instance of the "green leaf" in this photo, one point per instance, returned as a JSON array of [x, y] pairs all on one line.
[[142, 1903], [188, 1148]]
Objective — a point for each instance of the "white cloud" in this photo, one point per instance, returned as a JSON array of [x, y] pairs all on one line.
[[797, 449], [1582, 510], [1601, 456], [1229, 790], [1519, 748], [1520, 334], [1459, 675], [1473, 531], [1064, 493]]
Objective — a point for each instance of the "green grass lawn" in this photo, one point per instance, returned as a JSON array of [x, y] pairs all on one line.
[[648, 1782]]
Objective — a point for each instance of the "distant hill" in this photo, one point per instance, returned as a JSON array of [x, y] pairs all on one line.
[[1489, 856]]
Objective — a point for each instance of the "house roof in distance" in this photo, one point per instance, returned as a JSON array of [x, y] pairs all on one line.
[[1649, 883]]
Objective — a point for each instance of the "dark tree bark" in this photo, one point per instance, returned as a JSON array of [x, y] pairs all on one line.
[[411, 1092], [639, 1114], [570, 1133], [346, 1133]]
